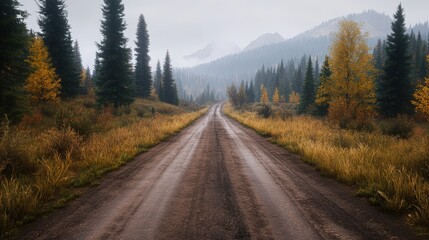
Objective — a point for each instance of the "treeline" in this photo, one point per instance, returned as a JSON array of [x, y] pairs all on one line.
[[46, 67], [352, 85]]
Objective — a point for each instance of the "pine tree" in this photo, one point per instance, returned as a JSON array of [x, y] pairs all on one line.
[[77, 58], [395, 90], [13, 69], [421, 67], [251, 93], [322, 96], [88, 81], [43, 83], [316, 73], [114, 76], [96, 69], [309, 92], [142, 69], [242, 99], [169, 88], [158, 81], [56, 35], [281, 75]]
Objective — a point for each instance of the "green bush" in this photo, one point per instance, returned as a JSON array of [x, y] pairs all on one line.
[[400, 126]]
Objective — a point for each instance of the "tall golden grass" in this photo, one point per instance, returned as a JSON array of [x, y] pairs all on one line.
[[54, 159], [393, 172]]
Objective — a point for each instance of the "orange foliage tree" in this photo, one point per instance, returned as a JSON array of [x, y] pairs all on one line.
[[276, 96], [264, 95], [421, 96], [43, 84], [351, 86]]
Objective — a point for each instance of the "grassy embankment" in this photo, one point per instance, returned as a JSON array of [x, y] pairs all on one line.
[[393, 172], [57, 149]]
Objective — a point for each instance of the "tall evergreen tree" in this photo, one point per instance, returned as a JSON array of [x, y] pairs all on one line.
[[142, 69], [322, 96], [158, 81], [251, 93], [316, 73], [88, 81], [169, 87], [56, 35], [96, 69], [77, 56], [13, 69], [309, 93], [422, 51], [395, 90], [114, 76]]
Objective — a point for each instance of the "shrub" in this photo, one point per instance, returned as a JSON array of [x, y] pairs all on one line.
[[51, 176], [89, 103], [400, 126], [16, 200], [123, 110], [351, 116], [32, 119], [14, 159], [140, 112], [48, 110], [265, 111], [62, 143], [80, 119]]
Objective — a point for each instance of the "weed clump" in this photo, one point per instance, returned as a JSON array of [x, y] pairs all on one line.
[[401, 127], [14, 158], [265, 111], [62, 143]]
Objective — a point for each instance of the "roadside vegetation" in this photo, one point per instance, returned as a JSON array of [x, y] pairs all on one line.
[[58, 148], [63, 126], [361, 119], [392, 171]]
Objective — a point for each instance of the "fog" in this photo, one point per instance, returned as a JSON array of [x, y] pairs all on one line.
[[184, 26]]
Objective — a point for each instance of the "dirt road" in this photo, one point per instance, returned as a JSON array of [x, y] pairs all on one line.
[[217, 180]]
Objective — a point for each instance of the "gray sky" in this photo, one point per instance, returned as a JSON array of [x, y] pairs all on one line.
[[183, 26]]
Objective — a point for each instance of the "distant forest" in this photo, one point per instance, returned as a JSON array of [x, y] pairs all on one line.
[[249, 66]]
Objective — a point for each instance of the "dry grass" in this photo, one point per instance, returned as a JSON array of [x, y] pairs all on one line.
[[393, 172], [59, 148]]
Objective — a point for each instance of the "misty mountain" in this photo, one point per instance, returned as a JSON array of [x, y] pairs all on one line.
[[377, 25], [266, 39], [211, 52], [315, 42]]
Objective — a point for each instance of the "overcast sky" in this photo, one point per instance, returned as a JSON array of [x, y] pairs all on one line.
[[184, 26]]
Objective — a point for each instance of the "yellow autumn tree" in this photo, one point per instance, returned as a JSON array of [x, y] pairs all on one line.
[[264, 95], [421, 96], [276, 96], [294, 97], [351, 85], [43, 84]]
